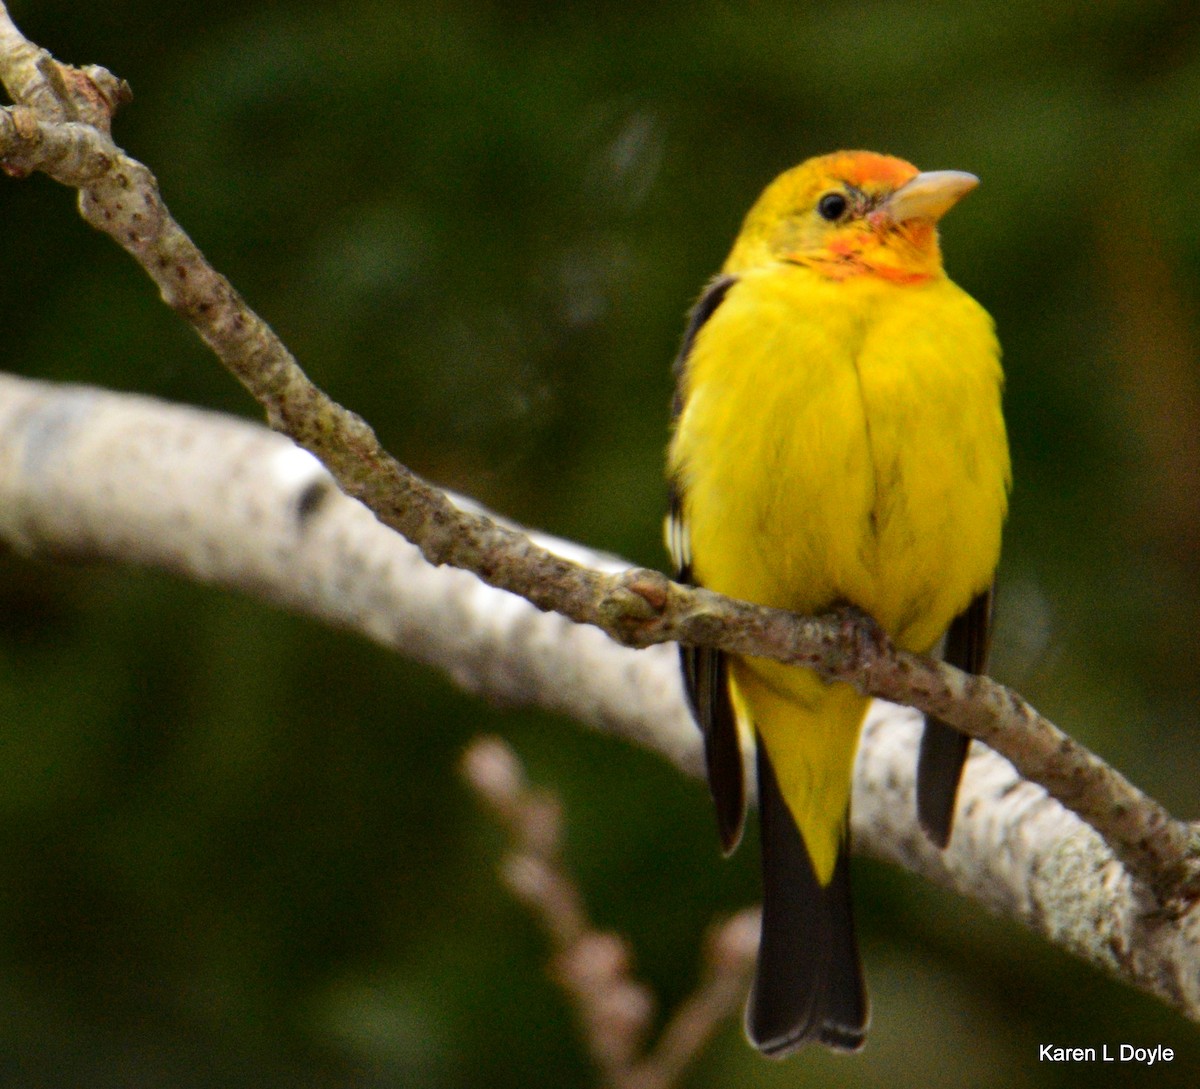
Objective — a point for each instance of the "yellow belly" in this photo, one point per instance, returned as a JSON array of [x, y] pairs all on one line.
[[838, 448], [841, 442]]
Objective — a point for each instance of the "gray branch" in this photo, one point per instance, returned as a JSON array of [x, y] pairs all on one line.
[[124, 479]]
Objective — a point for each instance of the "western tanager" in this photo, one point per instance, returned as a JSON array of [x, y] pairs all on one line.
[[838, 441]]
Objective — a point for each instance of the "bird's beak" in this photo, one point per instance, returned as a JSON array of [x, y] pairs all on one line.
[[928, 196]]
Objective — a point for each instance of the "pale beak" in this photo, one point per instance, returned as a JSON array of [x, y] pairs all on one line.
[[928, 196]]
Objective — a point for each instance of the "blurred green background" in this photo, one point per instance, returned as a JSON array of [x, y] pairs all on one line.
[[235, 848]]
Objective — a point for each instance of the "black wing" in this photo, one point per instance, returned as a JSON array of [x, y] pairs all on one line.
[[943, 748], [706, 671]]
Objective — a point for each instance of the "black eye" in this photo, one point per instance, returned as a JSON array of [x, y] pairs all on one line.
[[832, 206]]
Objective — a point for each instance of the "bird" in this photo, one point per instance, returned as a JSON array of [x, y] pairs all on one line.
[[837, 443]]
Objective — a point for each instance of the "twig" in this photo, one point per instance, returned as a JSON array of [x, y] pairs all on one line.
[[730, 948], [595, 968], [120, 196]]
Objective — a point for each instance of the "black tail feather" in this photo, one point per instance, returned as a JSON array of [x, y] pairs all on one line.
[[809, 983]]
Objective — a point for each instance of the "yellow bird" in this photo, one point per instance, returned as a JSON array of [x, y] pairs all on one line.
[[838, 441]]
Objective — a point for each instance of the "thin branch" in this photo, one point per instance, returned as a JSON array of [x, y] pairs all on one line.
[[120, 196], [120, 478]]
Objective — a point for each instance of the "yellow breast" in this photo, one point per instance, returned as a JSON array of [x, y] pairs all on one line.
[[842, 441]]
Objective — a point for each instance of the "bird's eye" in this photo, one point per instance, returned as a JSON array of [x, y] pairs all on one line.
[[832, 206]]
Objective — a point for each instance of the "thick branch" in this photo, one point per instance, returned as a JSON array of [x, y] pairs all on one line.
[[125, 479], [120, 478]]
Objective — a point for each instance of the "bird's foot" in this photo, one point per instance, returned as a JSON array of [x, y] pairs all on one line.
[[862, 639]]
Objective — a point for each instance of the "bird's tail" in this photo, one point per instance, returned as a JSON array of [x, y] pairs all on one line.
[[808, 985]]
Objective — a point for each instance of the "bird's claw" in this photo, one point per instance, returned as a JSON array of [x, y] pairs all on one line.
[[861, 636]]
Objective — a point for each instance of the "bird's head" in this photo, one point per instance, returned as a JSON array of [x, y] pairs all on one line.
[[851, 213]]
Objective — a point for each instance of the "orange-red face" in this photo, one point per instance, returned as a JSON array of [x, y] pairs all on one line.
[[850, 213]]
